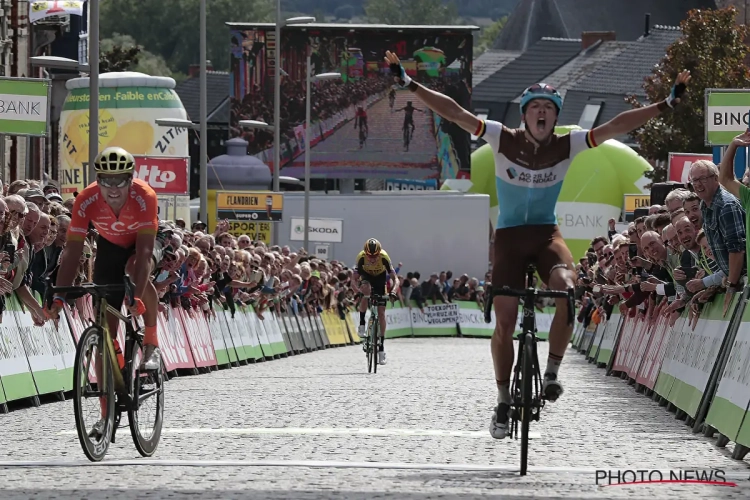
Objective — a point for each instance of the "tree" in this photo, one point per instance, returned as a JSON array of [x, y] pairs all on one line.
[[129, 56], [489, 35], [415, 12], [713, 49], [118, 58], [171, 29]]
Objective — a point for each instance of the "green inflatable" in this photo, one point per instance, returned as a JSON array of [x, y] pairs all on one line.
[[591, 194]]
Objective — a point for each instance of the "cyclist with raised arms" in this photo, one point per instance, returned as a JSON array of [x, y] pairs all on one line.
[[373, 268], [124, 211], [530, 165]]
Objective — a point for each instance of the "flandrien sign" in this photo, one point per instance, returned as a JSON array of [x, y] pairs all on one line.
[[727, 114]]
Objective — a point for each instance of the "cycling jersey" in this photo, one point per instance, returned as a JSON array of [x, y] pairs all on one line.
[[138, 216], [380, 266], [528, 178]]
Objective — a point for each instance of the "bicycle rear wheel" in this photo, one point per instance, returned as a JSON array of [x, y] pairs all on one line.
[[93, 378], [146, 411], [527, 381]]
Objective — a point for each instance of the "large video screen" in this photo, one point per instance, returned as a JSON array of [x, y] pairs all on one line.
[[363, 126]]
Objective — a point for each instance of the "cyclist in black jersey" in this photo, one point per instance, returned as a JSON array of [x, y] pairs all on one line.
[[408, 116]]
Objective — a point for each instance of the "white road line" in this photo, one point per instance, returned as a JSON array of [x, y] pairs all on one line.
[[741, 476], [341, 431]]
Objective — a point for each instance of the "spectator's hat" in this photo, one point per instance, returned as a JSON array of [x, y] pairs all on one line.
[[34, 195], [54, 197], [197, 225], [50, 187], [315, 274]]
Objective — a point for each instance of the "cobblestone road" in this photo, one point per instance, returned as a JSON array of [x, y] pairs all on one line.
[[317, 426]]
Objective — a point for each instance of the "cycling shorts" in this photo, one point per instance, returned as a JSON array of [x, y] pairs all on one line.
[[517, 247], [377, 283], [111, 270]]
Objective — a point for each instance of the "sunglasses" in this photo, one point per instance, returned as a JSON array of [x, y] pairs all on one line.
[[110, 182], [542, 89]]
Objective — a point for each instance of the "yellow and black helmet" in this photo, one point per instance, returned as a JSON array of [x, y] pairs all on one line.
[[114, 160], [372, 247]]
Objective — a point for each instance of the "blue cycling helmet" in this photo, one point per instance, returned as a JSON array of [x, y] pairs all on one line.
[[541, 91]]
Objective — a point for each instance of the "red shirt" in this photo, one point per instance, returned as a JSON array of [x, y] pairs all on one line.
[[138, 216]]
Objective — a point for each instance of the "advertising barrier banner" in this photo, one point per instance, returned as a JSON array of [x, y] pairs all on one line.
[[732, 400]]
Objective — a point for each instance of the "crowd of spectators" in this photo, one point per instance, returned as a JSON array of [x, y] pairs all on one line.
[[676, 258], [199, 270]]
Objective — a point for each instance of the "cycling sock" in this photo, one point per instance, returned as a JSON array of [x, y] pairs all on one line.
[[553, 364], [503, 391], [362, 318], [150, 337]]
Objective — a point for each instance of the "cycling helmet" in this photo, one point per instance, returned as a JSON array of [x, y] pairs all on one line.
[[114, 160], [372, 247], [541, 91]]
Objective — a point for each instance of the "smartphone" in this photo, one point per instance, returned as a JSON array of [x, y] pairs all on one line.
[[632, 250], [10, 249], [597, 289], [690, 272]]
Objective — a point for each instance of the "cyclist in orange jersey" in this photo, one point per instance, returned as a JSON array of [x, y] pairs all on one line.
[[124, 212]]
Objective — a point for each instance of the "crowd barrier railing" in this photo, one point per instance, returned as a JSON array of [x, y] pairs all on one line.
[[38, 361], [699, 370]]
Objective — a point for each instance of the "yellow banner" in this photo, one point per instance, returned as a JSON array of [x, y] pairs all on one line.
[[249, 205], [633, 201]]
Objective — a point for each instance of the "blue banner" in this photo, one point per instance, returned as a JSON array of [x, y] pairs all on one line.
[[411, 184]]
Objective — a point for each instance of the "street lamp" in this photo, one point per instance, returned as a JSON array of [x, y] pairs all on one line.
[[317, 78], [255, 124], [277, 97], [54, 62]]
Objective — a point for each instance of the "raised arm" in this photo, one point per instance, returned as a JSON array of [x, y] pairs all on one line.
[[630, 120], [726, 167], [439, 103]]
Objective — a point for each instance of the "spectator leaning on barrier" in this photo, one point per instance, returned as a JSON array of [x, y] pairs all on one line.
[[740, 191], [723, 222]]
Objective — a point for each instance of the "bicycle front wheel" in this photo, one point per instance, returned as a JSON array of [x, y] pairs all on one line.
[[374, 332], [93, 394], [527, 381], [369, 348], [146, 411]]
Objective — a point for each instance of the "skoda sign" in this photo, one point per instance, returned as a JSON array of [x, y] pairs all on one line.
[[321, 230]]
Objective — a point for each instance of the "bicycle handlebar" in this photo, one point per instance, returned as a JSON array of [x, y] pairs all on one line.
[[90, 288], [532, 293]]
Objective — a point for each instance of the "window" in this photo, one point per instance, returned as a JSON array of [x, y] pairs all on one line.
[[482, 114], [589, 115]]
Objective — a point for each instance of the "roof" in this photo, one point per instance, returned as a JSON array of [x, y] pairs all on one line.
[[217, 91], [490, 62], [378, 27], [540, 60], [582, 65], [532, 20], [624, 74]]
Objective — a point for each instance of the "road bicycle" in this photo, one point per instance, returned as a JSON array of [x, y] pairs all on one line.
[[526, 388], [115, 391], [408, 133], [372, 340], [362, 136]]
